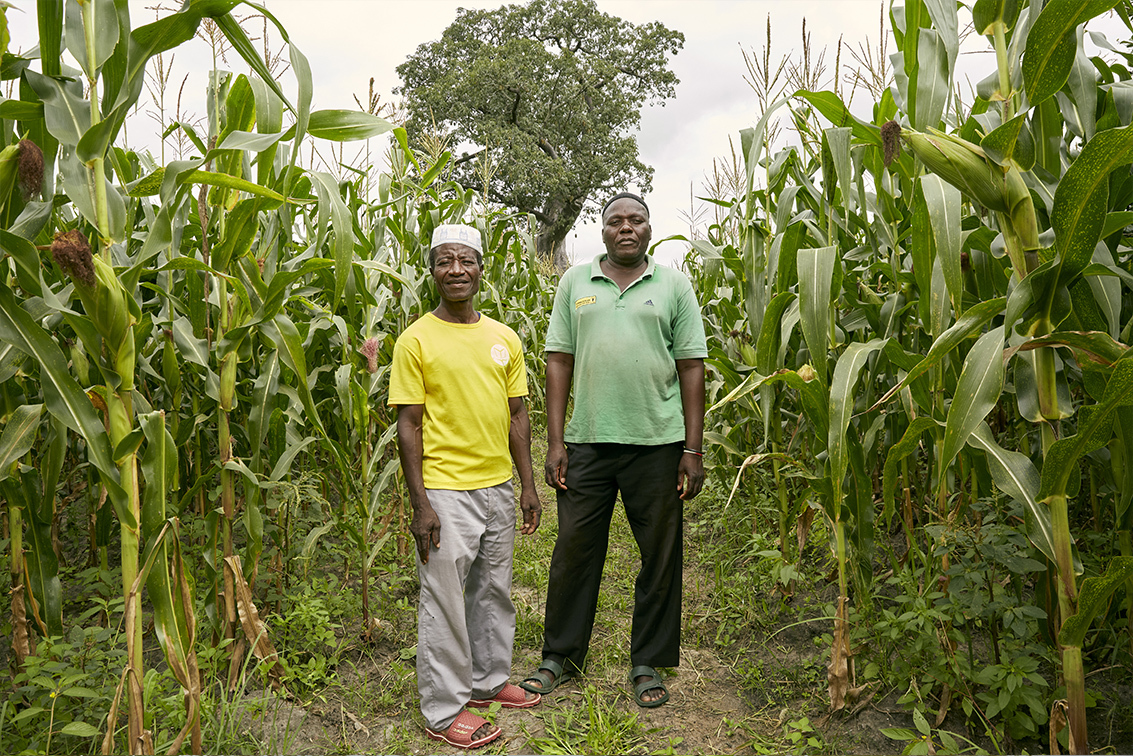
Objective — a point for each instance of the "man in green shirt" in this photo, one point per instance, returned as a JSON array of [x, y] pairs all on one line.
[[628, 334]]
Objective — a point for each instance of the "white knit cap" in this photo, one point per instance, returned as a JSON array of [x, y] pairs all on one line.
[[457, 233]]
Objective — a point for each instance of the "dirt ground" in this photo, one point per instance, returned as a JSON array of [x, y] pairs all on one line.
[[764, 692]]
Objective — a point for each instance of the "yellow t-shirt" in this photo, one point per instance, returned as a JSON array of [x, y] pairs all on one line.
[[464, 374]]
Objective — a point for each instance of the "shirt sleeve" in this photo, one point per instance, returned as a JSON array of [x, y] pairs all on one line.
[[406, 379], [516, 368], [560, 329], [689, 342]]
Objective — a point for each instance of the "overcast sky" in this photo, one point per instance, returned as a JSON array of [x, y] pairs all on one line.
[[349, 41]]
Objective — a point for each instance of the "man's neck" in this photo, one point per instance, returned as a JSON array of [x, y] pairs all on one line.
[[457, 312]]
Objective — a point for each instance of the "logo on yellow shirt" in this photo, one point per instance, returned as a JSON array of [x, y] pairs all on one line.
[[500, 354], [583, 301]]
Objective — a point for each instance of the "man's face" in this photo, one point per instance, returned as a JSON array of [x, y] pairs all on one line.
[[456, 270], [626, 231]]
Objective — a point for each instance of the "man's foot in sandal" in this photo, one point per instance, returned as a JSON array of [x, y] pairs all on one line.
[[467, 731], [648, 687], [509, 697], [545, 679]]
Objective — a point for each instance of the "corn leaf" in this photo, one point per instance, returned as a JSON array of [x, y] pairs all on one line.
[[19, 435], [1093, 599], [977, 393], [1052, 43], [1081, 202], [1015, 475], [963, 328], [816, 274], [64, 398], [842, 407]]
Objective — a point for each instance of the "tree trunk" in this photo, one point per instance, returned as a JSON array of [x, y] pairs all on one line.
[[559, 215]]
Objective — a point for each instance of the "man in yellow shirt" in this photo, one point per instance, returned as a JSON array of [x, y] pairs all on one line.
[[458, 380]]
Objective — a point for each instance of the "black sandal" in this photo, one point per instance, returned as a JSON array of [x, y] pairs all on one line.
[[548, 681], [654, 683]]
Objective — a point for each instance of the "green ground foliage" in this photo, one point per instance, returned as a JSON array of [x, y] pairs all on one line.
[[916, 535]]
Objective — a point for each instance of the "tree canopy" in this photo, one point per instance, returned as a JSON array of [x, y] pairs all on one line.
[[552, 91]]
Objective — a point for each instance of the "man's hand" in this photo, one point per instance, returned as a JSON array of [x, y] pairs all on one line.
[[426, 530], [532, 510], [690, 475], [556, 466]]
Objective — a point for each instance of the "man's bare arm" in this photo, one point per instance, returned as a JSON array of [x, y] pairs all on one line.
[[690, 472], [426, 526], [519, 444]]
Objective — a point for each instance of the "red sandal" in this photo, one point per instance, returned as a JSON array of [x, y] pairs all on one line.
[[460, 732], [509, 697]]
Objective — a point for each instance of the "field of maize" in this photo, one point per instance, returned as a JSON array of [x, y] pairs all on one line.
[[920, 379]]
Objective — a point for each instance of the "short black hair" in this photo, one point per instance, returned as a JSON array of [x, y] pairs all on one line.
[[624, 195]]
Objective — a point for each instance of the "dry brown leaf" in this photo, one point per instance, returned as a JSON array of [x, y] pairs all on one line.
[[135, 697], [254, 628], [21, 642], [802, 527], [838, 673], [945, 704], [357, 722], [112, 717], [1058, 722]]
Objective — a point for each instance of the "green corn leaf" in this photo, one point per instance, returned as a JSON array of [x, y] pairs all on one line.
[[346, 125], [1094, 431], [1116, 221], [971, 322], [331, 200], [1052, 43], [1081, 202], [897, 452], [290, 347], [283, 464], [19, 435], [977, 393], [942, 201], [65, 110], [40, 562], [18, 110], [64, 397], [213, 178], [166, 581], [1011, 141], [1016, 476], [263, 401], [240, 42], [1093, 599], [240, 231], [767, 345], [932, 80], [987, 13], [832, 108], [816, 274], [1121, 457], [101, 17], [49, 14], [751, 142], [842, 406], [1088, 346], [839, 140]]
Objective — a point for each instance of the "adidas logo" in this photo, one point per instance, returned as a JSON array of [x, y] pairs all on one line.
[[649, 302]]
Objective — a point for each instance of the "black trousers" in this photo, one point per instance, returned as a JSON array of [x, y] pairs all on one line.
[[646, 476]]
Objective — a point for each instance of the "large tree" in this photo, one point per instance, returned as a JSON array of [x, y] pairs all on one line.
[[553, 91]]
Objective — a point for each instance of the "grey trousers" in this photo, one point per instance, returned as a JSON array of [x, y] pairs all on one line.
[[465, 617]]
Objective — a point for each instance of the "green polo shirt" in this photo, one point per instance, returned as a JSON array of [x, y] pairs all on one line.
[[625, 344]]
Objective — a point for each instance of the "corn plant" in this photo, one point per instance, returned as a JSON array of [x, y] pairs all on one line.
[[921, 289]]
